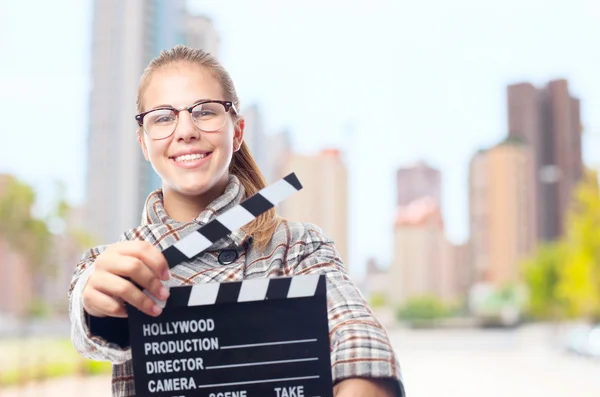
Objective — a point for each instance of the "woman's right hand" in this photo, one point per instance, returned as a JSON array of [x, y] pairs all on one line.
[[107, 288]]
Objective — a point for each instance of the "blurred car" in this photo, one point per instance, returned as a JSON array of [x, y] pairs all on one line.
[[584, 340]]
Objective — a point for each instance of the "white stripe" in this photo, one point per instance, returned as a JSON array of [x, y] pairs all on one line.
[[204, 294], [253, 290], [284, 342], [192, 244], [295, 360], [235, 218], [303, 286], [249, 382], [278, 191]]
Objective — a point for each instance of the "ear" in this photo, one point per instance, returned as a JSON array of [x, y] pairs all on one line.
[[140, 138], [238, 133]]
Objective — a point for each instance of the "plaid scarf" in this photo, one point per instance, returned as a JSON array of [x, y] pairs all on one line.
[[360, 346]]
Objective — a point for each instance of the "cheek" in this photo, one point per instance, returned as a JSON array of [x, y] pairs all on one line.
[[222, 140], [156, 149]]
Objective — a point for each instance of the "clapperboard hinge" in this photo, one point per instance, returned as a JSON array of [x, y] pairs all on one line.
[[224, 224]]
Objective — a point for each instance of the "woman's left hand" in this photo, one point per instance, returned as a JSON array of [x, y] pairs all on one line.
[[360, 387]]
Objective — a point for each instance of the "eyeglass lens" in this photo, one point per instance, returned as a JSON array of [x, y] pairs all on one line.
[[208, 117]]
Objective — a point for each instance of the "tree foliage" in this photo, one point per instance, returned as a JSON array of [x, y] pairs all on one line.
[[579, 285], [564, 277], [34, 238], [542, 274], [423, 308], [24, 233]]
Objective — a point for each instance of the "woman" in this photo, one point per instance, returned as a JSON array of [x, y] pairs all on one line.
[[191, 133]]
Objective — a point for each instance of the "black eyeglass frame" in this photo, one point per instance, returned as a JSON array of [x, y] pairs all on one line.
[[226, 104]]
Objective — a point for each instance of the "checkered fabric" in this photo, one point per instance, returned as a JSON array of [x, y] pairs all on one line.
[[360, 346]]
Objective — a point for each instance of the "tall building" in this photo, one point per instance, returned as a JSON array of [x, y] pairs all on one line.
[[126, 35], [548, 119], [16, 284], [280, 148], [254, 134], [501, 215], [324, 197], [200, 32], [420, 264], [417, 181]]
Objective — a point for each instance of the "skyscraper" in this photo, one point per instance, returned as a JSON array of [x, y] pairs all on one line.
[[417, 181], [200, 32], [274, 159], [126, 35], [500, 211], [324, 199], [254, 134], [421, 252], [548, 120]]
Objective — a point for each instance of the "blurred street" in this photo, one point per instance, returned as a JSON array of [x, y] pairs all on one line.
[[475, 363], [436, 363]]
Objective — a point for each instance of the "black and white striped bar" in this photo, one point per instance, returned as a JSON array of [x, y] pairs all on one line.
[[196, 242], [250, 290]]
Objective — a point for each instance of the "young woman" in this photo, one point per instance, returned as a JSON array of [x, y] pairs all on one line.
[[191, 133]]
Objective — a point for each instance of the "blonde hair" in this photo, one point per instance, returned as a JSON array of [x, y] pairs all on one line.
[[243, 165]]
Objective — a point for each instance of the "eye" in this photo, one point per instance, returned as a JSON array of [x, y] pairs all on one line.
[[206, 110], [161, 116]]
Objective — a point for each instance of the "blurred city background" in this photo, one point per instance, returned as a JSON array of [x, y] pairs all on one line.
[[451, 150]]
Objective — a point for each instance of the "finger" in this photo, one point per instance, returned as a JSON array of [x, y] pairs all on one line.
[[116, 286], [98, 304], [138, 272], [148, 254]]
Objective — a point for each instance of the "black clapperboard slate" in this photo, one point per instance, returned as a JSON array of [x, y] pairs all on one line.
[[250, 338]]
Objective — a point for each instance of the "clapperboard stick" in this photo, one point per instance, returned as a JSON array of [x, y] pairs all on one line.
[[199, 240]]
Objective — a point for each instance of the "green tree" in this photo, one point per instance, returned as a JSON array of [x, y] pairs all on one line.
[[542, 275], [23, 232], [423, 309], [579, 280], [563, 277]]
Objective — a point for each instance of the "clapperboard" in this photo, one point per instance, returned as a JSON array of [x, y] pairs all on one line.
[[251, 338]]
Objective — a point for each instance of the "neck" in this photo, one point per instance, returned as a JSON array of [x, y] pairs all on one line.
[[186, 208]]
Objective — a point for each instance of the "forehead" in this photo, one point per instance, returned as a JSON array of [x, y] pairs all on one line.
[[180, 85]]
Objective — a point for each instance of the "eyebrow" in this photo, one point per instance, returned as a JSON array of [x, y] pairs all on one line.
[[173, 107]]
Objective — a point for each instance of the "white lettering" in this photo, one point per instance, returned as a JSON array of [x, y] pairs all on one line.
[[181, 346], [240, 393], [174, 384], [293, 391], [179, 327], [176, 365]]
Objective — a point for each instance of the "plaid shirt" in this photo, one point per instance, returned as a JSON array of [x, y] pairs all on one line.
[[359, 344]]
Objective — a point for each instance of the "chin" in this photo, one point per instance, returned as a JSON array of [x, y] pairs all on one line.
[[193, 185], [192, 190]]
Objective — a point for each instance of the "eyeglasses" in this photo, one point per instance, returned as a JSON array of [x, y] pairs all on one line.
[[209, 116]]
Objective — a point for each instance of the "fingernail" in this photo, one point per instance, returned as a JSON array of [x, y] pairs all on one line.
[[156, 310], [163, 292], [167, 275]]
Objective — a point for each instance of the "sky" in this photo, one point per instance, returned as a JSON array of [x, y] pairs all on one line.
[[388, 82]]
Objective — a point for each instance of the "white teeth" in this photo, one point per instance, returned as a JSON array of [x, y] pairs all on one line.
[[190, 157]]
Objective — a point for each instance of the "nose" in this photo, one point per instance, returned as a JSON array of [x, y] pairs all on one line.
[[185, 129]]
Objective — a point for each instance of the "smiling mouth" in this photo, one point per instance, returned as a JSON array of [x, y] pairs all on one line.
[[190, 157]]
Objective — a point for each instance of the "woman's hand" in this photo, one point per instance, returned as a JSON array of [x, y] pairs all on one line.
[[107, 288]]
